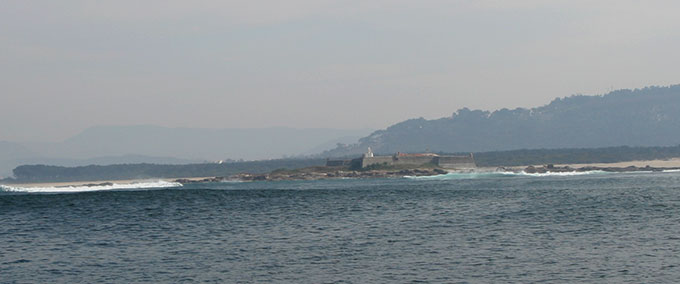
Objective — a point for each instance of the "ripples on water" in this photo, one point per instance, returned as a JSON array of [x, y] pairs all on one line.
[[597, 228]]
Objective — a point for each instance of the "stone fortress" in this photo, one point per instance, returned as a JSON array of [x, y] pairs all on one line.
[[419, 159]]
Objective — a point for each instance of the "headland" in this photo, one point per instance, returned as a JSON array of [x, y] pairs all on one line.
[[426, 164], [369, 165]]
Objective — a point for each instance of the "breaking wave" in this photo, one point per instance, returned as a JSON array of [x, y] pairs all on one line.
[[561, 174], [85, 188], [474, 175], [672, 171]]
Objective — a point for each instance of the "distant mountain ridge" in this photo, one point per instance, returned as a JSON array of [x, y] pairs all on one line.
[[105, 145], [640, 117], [17, 158], [198, 143]]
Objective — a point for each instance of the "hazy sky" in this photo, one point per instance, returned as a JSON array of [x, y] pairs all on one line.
[[67, 65]]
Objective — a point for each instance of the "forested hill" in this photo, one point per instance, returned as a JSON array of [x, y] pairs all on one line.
[[640, 117]]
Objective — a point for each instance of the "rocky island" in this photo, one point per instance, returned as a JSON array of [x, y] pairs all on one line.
[[321, 173], [401, 164], [318, 173]]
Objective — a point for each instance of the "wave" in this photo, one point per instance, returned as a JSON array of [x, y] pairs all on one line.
[[671, 171], [454, 175], [85, 188], [562, 174], [474, 175]]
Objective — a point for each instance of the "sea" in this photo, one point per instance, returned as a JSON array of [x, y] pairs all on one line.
[[497, 227]]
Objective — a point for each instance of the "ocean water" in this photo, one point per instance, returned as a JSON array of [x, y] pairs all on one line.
[[459, 228]]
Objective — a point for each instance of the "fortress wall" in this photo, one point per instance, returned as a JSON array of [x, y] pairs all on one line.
[[456, 162], [367, 161], [391, 161], [447, 162], [417, 161]]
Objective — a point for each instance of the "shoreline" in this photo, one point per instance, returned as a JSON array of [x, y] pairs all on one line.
[[96, 182], [629, 166], [669, 163]]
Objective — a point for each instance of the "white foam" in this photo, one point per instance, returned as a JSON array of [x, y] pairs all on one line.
[[83, 188], [473, 175], [549, 174], [459, 175], [672, 171]]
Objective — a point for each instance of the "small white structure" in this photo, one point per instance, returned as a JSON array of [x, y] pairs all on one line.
[[369, 153]]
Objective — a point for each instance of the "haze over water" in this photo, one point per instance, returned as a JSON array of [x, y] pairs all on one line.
[[593, 228]]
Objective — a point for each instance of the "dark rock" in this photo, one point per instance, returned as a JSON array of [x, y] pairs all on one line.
[[260, 177]]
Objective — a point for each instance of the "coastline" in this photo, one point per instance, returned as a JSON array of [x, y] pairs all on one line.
[[669, 163], [97, 182], [673, 163]]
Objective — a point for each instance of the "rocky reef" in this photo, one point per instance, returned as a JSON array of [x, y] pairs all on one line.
[[318, 175]]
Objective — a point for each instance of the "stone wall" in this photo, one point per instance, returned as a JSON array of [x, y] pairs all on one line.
[[367, 161], [455, 162], [447, 162], [414, 160], [394, 161]]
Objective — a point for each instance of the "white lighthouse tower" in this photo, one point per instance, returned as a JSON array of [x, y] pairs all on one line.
[[369, 153]]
